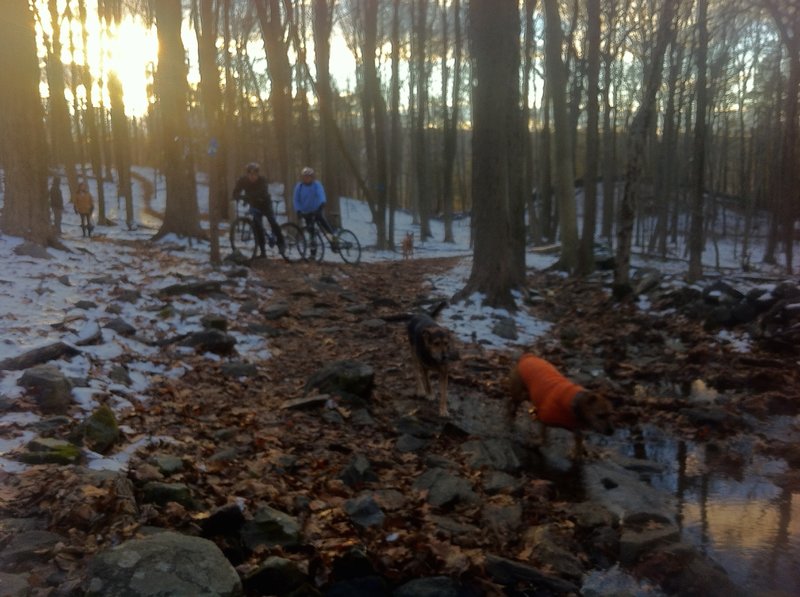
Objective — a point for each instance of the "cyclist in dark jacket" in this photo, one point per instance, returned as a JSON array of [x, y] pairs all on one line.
[[252, 189]]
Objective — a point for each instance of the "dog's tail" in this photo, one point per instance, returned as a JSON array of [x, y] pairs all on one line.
[[437, 308]]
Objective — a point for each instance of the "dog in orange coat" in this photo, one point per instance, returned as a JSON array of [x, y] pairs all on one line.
[[558, 402]]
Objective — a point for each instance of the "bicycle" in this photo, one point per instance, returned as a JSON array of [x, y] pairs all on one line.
[[342, 241], [243, 238]]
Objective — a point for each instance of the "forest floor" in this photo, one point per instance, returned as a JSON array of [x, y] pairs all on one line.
[[293, 459]]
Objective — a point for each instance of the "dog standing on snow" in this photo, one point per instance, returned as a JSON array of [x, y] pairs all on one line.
[[408, 245]]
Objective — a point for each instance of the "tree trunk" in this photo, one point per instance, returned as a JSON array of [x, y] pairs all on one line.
[[122, 146], [23, 143], [637, 141], [58, 111], [450, 122], [331, 164], [420, 144], [181, 215], [497, 213], [696, 233], [207, 33], [557, 84], [396, 139], [586, 256], [280, 75]]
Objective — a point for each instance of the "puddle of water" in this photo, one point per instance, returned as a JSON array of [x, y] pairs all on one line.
[[727, 505]]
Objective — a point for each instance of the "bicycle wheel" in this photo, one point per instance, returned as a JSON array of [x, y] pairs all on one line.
[[315, 246], [243, 237], [347, 246], [295, 242]]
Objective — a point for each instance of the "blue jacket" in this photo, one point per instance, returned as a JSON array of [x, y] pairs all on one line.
[[308, 197]]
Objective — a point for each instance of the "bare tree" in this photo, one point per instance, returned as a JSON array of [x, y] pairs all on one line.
[[23, 144], [637, 139], [207, 32], [696, 233], [181, 215], [586, 254], [557, 86], [498, 263]]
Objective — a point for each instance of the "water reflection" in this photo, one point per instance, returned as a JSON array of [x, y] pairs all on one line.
[[728, 505]]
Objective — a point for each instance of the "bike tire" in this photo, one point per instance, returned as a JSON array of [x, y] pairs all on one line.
[[295, 242], [243, 237], [347, 246], [315, 246]]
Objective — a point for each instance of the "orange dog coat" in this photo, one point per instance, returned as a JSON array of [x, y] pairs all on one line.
[[550, 392]]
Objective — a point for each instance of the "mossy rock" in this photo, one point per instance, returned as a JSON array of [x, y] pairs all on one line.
[[100, 430], [50, 451]]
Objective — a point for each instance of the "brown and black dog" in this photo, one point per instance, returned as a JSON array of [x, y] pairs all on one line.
[[432, 350], [408, 245], [558, 401]]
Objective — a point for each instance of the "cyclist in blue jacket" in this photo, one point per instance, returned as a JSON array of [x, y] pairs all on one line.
[[309, 200], [252, 188]]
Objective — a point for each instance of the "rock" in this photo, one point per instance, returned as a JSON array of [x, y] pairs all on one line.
[[509, 572], [680, 569], [364, 511], [343, 377], [225, 520], [163, 564], [160, 493], [353, 563], [506, 328], [435, 586], [121, 327], [50, 451], [306, 402], [29, 544], [275, 311], [167, 464], [14, 585], [200, 289], [238, 369], [50, 388], [358, 471], [210, 341], [495, 454], [554, 550], [645, 279], [119, 374], [30, 249], [275, 576], [270, 527], [214, 322], [37, 356], [444, 487], [100, 430]]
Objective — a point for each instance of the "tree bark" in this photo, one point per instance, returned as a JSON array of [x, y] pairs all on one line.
[[181, 215], [496, 176], [557, 84], [23, 142]]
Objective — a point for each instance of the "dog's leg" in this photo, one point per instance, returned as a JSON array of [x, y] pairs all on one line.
[[577, 453], [443, 412], [419, 375]]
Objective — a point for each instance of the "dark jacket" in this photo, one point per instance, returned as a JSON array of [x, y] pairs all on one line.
[[255, 193], [56, 197]]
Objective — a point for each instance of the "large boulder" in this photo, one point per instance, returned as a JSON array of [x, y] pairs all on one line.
[[163, 564], [50, 388]]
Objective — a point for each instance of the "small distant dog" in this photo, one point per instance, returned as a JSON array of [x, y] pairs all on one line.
[[558, 401], [432, 350], [408, 245]]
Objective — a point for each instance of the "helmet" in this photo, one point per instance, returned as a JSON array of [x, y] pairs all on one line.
[[252, 167], [307, 171]]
